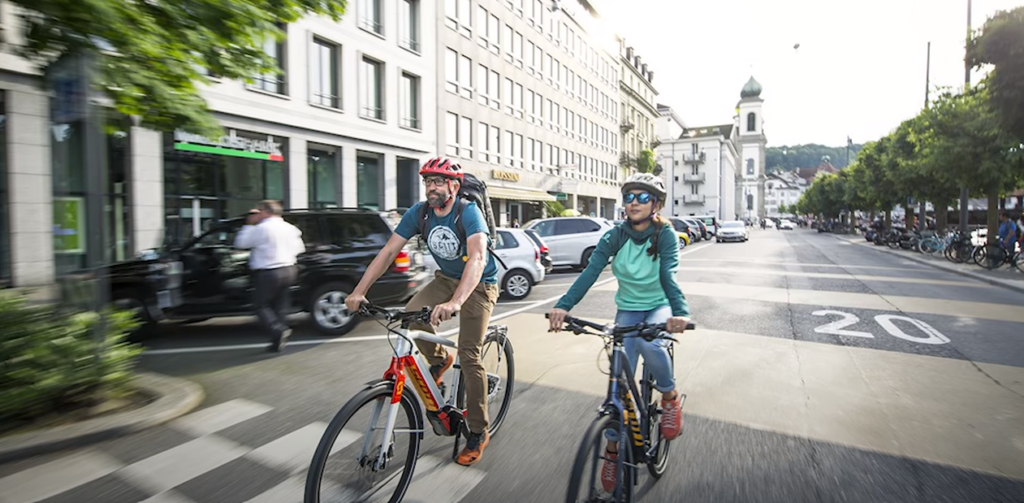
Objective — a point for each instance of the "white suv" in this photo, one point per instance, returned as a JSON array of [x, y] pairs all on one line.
[[520, 254], [571, 240]]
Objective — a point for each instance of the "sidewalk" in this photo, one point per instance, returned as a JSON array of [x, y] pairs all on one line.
[[1005, 277]]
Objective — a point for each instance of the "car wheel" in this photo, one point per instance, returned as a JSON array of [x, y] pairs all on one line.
[[516, 284], [327, 309], [585, 260], [682, 243], [130, 301]]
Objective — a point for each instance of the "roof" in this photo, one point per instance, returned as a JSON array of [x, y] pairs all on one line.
[[707, 131], [752, 89]]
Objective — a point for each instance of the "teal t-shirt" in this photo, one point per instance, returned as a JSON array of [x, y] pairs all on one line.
[[639, 278], [443, 240]]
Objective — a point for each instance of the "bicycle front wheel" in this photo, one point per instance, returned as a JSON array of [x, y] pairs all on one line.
[[354, 462], [585, 484]]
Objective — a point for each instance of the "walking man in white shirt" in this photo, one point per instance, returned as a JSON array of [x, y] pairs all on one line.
[[275, 244]]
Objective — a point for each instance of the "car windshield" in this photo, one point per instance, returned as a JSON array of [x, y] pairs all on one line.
[[734, 224], [679, 225]]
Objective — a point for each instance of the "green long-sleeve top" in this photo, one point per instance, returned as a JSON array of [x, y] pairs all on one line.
[[644, 283]]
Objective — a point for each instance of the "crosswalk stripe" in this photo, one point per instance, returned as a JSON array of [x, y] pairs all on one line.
[[910, 266], [55, 477], [289, 491], [220, 416], [178, 465], [849, 276], [436, 480]]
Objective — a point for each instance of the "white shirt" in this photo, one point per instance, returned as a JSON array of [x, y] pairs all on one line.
[[274, 243]]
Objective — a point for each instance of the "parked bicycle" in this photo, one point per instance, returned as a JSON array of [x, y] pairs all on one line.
[[621, 414], [379, 459]]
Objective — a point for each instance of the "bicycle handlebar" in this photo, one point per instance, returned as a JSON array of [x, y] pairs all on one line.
[[649, 331], [391, 315]]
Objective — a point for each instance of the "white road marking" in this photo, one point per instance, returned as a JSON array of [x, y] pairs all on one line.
[[168, 497], [175, 466], [55, 477], [293, 452], [220, 416]]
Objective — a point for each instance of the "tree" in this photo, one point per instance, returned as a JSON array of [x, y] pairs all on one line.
[[153, 55], [645, 162], [810, 155], [1000, 43]]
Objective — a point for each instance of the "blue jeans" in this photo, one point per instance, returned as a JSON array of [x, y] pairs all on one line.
[[655, 353]]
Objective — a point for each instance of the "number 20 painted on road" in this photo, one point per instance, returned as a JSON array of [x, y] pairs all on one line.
[[932, 336]]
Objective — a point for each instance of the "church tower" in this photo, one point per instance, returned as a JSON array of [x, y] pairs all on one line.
[[750, 191]]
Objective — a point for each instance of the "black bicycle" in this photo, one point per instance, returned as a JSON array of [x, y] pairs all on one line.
[[619, 414]]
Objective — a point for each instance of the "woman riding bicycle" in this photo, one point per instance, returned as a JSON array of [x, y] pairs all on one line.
[[644, 253]]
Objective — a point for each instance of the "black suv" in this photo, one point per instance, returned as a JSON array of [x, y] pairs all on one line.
[[340, 244]]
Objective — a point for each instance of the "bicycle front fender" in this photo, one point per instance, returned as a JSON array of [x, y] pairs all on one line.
[[406, 394]]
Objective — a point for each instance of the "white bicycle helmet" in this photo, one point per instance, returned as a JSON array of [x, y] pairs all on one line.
[[648, 182]]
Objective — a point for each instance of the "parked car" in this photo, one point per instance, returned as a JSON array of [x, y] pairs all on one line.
[[733, 230], [571, 239], [700, 230], [687, 233], [711, 224], [786, 225], [522, 257], [545, 252], [340, 244]]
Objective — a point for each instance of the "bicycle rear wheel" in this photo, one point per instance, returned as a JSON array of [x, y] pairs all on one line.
[[499, 363], [585, 481], [346, 466]]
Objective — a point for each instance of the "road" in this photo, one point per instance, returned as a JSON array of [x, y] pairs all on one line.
[[821, 371]]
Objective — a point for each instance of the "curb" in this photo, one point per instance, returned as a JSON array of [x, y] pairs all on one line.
[[942, 267], [175, 398]]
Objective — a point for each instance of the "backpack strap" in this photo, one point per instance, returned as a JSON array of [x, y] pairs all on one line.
[[460, 231], [424, 219]]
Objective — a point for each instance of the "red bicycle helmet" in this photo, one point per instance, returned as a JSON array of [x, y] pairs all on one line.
[[442, 166]]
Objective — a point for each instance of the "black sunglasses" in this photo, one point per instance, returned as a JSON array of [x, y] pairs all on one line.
[[642, 198]]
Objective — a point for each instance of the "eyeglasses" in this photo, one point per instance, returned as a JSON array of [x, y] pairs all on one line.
[[642, 198], [436, 181]]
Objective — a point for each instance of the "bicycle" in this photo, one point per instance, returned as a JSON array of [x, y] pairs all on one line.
[[647, 445], [374, 457]]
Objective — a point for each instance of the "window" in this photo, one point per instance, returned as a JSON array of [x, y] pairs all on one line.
[[517, 48], [750, 166], [274, 82], [506, 42], [371, 16], [492, 90], [751, 122], [324, 74], [537, 16], [323, 178], [517, 150], [466, 137], [511, 157], [465, 77], [508, 96], [369, 186], [531, 57], [451, 71], [506, 241], [409, 25], [482, 138], [494, 142], [372, 94], [451, 134], [410, 89], [458, 16], [517, 99]]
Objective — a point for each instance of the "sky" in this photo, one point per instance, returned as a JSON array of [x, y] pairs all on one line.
[[859, 71]]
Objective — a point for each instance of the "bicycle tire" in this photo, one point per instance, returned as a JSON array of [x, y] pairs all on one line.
[[657, 463], [496, 420], [323, 450], [594, 437]]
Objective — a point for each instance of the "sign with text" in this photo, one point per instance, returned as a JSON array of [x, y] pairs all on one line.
[[230, 145], [510, 176]]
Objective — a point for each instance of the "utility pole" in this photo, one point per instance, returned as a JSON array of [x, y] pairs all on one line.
[[967, 83], [922, 210]]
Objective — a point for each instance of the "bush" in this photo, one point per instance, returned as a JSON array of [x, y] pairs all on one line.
[[51, 361]]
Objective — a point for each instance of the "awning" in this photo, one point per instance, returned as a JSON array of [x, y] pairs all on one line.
[[519, 194]]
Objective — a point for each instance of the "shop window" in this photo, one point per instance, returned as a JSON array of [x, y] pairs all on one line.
[[369, 187], [323, 178]]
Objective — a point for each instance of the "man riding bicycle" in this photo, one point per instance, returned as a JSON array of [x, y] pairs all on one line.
[[466, 284]]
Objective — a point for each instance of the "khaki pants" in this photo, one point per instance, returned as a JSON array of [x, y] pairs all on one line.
[[473, 320]]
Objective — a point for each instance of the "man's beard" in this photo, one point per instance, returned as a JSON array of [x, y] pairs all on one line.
[[436, 199]]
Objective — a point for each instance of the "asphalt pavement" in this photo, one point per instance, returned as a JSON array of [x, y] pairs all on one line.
[[820, 371]]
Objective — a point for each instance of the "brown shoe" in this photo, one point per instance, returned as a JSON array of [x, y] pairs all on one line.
[[474, 448], [437, 371]]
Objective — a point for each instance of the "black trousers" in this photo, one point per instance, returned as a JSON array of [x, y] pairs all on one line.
[[272, 297]]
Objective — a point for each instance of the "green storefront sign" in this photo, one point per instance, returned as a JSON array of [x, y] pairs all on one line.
[[230, 145], [68, 225]]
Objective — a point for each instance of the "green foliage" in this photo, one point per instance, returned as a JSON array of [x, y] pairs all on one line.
[[808, 156], [53, 362], [645, 162], [1001, 43], [554, 208], [154, 55]]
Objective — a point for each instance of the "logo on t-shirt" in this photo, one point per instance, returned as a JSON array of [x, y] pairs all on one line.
[[443, 243]]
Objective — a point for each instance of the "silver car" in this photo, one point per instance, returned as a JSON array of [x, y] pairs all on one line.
[[733, 230]]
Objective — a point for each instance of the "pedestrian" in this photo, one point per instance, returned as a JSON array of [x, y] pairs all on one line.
[[275, 246], [515, 223]]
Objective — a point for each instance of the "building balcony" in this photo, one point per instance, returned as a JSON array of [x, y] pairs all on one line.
[[691, 178], [626, 126], [693, 199], [694, 158]]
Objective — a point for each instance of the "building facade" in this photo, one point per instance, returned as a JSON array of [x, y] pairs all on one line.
[[752, 144], [638, 105], [347, 123], [528, 102], [701, 169], [782, 189]]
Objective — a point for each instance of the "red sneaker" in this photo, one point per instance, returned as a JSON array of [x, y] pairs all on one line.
[[671, 418], [609, 471]]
